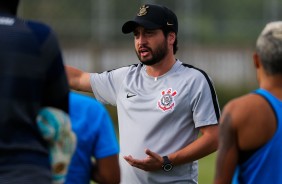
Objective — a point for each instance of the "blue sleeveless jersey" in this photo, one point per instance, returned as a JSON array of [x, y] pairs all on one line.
[[265, 165]]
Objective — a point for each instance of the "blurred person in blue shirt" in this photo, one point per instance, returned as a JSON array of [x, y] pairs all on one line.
[[96, 140]]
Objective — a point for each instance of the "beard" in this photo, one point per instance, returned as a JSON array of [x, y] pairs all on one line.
[[157, 55]]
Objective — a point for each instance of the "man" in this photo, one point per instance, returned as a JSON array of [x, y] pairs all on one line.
[[32, 76], [163, 104], [96, 139], [250, 132]]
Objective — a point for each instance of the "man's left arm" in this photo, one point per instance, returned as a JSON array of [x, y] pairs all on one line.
[[227, 156], [203, 146], [206, 144]]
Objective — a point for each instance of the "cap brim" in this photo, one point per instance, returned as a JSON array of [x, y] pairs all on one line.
[[129, 26]]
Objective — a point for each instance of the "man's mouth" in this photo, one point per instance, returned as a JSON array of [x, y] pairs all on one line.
[[144, 52]]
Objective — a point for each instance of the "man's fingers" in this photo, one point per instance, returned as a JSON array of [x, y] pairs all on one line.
[[134, 162], [153, 154]]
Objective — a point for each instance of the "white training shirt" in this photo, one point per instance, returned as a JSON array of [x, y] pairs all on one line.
[[161, 114]]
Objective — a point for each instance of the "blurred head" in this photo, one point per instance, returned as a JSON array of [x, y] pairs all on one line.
[[269, 48], [153, 17], [9, 6]]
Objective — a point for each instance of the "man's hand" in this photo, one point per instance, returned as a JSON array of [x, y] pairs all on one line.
[[152, 162]]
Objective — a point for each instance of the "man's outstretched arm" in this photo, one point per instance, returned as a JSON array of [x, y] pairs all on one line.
[[78, 79]]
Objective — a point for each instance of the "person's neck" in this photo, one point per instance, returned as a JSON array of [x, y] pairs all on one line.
[[272, 84], [161, 67]]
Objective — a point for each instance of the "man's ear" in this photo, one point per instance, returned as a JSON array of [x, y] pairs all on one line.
[[171, 37], [256, 60]]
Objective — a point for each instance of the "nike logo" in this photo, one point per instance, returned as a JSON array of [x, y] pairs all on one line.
[[169, 24], [130, 95]]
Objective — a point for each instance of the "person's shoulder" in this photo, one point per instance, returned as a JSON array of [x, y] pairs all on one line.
[[246, 107], [85, 100], [193, 70], [250, 115], [128, 70], [197, 75], [81, 97], [39, 29], [133, 67], [245, 102], [37, 25], [124, 69]]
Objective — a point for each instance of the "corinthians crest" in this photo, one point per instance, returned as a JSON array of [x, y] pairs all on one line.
[[167, 100], [143, 10]]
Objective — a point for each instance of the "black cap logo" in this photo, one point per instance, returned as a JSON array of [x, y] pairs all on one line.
[[143, 10]]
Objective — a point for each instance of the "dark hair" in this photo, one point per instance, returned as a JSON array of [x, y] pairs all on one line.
[[10, 6], [166, 31]]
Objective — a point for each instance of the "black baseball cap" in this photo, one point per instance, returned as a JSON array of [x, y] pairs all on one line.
[[152, 17]]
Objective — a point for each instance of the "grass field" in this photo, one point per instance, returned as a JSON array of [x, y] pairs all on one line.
[[207, 169]]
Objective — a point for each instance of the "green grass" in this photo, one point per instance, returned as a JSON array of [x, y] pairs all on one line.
[[207, 169]]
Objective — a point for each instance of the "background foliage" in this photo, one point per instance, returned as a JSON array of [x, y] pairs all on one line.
[[208, 22]]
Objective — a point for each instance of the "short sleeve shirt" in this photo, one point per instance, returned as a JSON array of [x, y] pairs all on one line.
[[161, 114]]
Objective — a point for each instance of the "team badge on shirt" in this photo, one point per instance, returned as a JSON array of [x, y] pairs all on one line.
[[167, 100]]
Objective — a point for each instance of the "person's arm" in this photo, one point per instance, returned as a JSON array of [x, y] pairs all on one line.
[[206, 144], [78, 79], [203, 146], [106, 170], [227, 157]]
